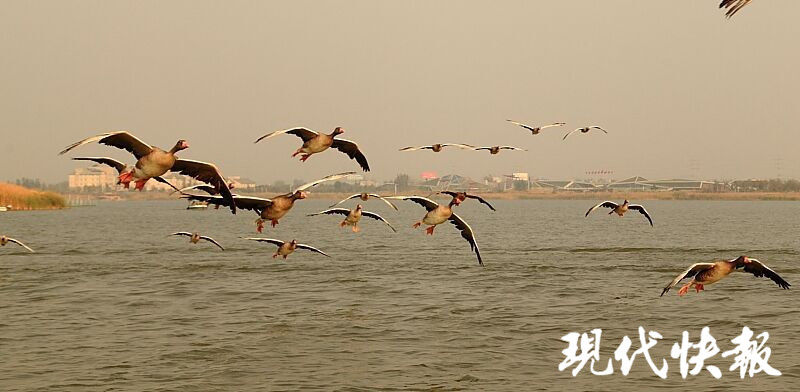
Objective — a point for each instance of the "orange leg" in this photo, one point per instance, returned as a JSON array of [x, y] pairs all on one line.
[[305, 157], [259, 225], [296, 152], [684, 289], [275, 255], [140, 184], [274, 222], [699, 287], [285, 256], [418, 224], [430, 230], [125, 179], [343, 224]]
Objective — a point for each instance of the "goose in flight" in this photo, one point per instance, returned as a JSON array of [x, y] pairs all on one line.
[[4, 240], [268, 209], [195, 238], [439, 146], [121, 168], [153, 162], [733, 6], [352, 217], [440, 213], [584, 130], [364, 196], [464, 195], [621, 209], [536, 130], [494, 150], [314, 142], [708, 273], [287, 248]]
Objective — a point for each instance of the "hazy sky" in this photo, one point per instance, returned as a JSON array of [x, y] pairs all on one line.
[[681, 90]]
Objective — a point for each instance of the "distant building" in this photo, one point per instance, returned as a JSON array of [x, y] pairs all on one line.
[[639, 183], [565, 185]]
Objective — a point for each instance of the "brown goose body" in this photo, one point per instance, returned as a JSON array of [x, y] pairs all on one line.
[[280, 206]]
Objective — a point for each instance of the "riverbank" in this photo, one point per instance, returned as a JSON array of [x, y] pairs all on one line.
[[21, 198]]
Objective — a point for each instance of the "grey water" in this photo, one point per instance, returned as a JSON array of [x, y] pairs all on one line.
[[110, 302]]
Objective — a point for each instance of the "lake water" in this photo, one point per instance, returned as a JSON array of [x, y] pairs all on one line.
[[110, 302]]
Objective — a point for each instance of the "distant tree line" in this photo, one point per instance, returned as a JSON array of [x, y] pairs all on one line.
[[773, 185]]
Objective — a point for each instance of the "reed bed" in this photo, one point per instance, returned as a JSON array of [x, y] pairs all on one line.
[[21, 198]]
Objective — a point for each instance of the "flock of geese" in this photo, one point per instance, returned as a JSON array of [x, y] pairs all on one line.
[[153, 162]]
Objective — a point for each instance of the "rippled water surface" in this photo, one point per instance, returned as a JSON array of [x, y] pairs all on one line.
[[110, 302]]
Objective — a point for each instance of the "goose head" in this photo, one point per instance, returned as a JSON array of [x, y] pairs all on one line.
[[338, 131], [358, 207], [300, 195], [180, 145], [293, 243]]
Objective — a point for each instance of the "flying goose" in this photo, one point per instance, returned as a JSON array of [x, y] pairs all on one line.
[[364, 196], [195, 238], [621, 209], [121, 168], [464, 195], [584, 130], [268, 209], [352, 217], [439, 146], [440, 213], [536, 130], [314, 142], [4, 240], [708, 273], [153, 162], [494, 150], [287, 248], [733, 6]]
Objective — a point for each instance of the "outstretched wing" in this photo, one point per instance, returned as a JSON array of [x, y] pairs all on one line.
[[378, 217], [270, 240], [481, 200], [183, 233], [20, 244], [468, 234], [208, 173], [351, 149], [377, 196], [256, 204], [606, 204], [346, 199], [512, 148], [556, 124], [311, 248], [459, 145], [301, 132], [597, 127], [120, 139], [758, 269], [570, 133], [202, 187], [637, 207], [690, 272], [733, 6], [119, 166], [423, 201], [211, 240], [331, 177], [416, 148], [528, 127], [340, 211]]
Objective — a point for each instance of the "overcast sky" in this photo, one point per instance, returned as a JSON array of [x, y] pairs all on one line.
[[682, 91]]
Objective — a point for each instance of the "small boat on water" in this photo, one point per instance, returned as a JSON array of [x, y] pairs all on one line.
[[197, 205], [3, 208]]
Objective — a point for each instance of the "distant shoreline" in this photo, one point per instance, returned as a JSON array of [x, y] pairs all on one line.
[[536, 195], [19, 198]]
